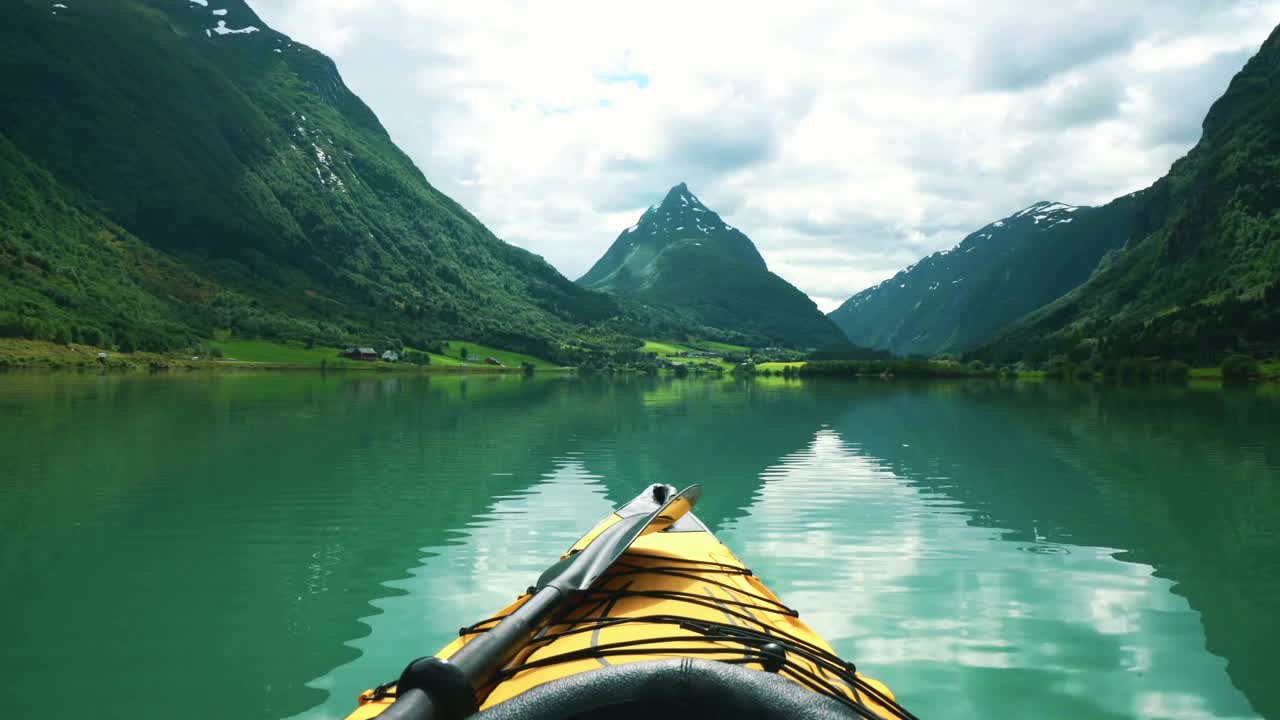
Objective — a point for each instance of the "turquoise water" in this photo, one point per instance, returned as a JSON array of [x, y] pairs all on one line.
[[267, 545]]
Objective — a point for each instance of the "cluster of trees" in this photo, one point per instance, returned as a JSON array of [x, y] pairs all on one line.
[[1125, 370], [750, 369], [1236, 367], [602, 351], [648, 364], [910, 367], [1201, 334], [415, 357], [143, 338]]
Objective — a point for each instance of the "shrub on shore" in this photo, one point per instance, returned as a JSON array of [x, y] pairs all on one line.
[[1239, 368]]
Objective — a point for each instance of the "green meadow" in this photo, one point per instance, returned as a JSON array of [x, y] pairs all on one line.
[[453, 348], [267, 351]]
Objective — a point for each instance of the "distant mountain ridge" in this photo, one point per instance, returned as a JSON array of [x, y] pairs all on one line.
[[1200, 277], [239, 157], [955, 299], [682, 256], [1188, 268]]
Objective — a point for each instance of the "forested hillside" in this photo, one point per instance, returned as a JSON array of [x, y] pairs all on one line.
[[1203, 279], [953, 300], [254, 191]]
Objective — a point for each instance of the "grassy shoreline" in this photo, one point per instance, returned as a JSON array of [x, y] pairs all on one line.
[[16, 354], [42, 355]]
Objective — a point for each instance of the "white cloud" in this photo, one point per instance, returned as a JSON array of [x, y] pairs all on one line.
[[846, 142]]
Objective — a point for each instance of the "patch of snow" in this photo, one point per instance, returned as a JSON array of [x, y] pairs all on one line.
[[1038, 218], [698, 209], [953, 282], [220, 12], [201, 3], [698, 244], [727, 226], [680, 228], [633, 229], [998, 223], [278, 50], [330, 180], [902, 285], [60, 5], [1061, 222], [208, 33], [222, 29]]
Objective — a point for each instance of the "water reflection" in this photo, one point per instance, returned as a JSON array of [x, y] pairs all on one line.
[[1175, 479], [959, 620], [502, 551], [287, 540]]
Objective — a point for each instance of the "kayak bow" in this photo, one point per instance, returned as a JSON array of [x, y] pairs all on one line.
[[648, 613]]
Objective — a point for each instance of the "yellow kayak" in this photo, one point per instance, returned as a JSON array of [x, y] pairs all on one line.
[[647, 614]]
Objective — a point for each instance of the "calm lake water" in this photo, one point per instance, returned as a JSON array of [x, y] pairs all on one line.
[[267, 545]]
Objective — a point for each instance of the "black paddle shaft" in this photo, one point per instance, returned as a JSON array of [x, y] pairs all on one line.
[[435, 689]]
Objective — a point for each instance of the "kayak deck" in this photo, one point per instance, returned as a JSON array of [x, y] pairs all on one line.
[[679, 593]]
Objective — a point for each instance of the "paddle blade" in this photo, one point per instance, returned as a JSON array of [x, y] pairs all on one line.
[[674, 509], [578, 571]]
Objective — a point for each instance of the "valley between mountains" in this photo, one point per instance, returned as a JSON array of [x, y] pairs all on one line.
[[182, 181]]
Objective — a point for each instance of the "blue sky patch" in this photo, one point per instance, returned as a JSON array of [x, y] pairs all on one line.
[[622, 77]]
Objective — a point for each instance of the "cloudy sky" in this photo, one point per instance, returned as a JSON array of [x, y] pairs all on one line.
[[847, 139]]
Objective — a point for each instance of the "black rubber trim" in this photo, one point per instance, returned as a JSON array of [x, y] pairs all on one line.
[[664, 689], [446, 691]]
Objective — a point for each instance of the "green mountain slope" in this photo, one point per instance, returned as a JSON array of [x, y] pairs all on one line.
[[1202, 279], [958, 298], [69, 274], [243, 157], [682, 261]]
